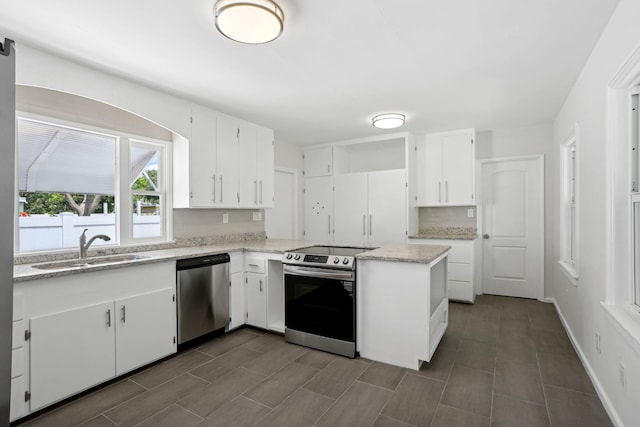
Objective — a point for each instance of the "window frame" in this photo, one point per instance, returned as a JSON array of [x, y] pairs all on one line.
[[122, 187], [569, 205]]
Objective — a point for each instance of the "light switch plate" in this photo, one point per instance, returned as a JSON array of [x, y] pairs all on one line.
[[225, 218], [470, 213], [257, 216]]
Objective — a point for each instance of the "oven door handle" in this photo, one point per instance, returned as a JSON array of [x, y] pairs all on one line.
[[319, 272]]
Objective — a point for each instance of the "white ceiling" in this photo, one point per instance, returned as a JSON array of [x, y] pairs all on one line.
[[446, 64]]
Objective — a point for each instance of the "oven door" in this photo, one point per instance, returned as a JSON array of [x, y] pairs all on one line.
[[320, 301]]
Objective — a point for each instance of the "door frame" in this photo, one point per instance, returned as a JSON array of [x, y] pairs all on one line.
[[539, 158], [294, 200]]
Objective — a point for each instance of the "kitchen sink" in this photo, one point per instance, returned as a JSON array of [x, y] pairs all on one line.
[[88, 262]]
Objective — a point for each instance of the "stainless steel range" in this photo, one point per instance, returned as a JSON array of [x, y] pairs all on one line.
[[320, 298]]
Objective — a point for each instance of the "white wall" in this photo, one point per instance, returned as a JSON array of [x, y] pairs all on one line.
[[290, 156], [580, 305]]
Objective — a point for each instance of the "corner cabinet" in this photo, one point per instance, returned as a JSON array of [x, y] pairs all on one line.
[[226, 163], [445, 165], [88, 328]]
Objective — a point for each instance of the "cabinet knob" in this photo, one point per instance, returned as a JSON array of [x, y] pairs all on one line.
[[485, 236]]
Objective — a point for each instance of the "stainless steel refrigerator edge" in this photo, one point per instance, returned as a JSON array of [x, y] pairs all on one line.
[[7, 192]]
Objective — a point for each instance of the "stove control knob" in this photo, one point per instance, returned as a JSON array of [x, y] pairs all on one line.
[[297, 257], [345, 261], [336, 260], [289, 256]]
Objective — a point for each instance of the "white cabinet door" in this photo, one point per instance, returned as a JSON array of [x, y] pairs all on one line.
[[458, 168], [350, 209], [256, 299], [318, 162], [71, 351], [146, 329], [248, 180], [318, 208], [237, 305], [429, 171], [202, 154], [227, 162], [266, 167], [387, 221]]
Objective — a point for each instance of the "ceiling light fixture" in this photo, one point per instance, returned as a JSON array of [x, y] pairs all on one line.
[[249, 21], [388, 120]]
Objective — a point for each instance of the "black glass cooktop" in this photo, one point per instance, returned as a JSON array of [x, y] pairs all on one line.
[[331, 250]]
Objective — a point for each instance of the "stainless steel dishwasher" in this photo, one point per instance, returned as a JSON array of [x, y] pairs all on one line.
[[203, 295]]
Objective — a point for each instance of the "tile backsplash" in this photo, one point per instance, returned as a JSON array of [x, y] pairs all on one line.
[[439, 217]]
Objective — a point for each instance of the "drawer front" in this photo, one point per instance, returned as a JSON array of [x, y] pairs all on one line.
[[461, 291], [460, 272], [461, 252], [17, 362], [17, 397], [255, 265], [18, 334], [237, 262]]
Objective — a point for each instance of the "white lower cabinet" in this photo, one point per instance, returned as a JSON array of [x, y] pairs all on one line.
[[237, 307], [71, 351], [256, 287], [461, 279], [81, 330]]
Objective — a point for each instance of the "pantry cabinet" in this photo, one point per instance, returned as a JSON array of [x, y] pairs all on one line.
[[318, 208], [445, 169], [370, 208]]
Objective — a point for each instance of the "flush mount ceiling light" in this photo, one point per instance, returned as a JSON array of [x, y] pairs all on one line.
[[388, 120], [249, 21]]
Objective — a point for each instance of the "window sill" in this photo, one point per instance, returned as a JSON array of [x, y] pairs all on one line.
[[627, 321], [569, 271]]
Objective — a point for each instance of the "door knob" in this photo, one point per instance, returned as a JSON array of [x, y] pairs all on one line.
[[485, 236]]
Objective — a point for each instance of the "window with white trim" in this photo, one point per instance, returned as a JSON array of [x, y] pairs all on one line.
[[569, 206], [73, 176]]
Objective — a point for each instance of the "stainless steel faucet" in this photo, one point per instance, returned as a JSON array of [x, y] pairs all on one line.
[[84, 245]]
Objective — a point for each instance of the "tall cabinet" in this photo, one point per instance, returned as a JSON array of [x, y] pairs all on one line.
[[356, 192]]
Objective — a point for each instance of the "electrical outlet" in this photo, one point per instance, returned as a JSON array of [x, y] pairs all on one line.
[[225, 218], [470, 213], [598, 346], [257, 216], [623, 376]]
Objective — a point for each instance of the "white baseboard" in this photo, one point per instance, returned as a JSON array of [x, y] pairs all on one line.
[[604, 397]]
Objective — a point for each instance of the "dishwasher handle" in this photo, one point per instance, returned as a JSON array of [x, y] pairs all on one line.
[[187, 264]]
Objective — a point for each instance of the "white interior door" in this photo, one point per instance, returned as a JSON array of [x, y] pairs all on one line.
[[281, 220], [512, 218]]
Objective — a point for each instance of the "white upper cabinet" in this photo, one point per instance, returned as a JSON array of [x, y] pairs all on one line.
[[229, 163], [318, 162], [256, 166], [445, 167]]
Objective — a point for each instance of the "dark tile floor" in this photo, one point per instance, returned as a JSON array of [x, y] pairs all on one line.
[[503, 362]]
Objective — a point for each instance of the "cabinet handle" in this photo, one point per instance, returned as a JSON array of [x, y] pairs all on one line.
[[109, 318], [329, 224], [370, 224], [439, 192], [214, 188], [260, 191], [254, 265], [124, 314], [446, 191], [329, 168], [255, 194], [221, 188], [260, 285], [364, 225]]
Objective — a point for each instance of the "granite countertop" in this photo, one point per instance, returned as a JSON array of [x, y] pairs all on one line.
[[395, 253], [423, 254], [25, 272], [447, 233]]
